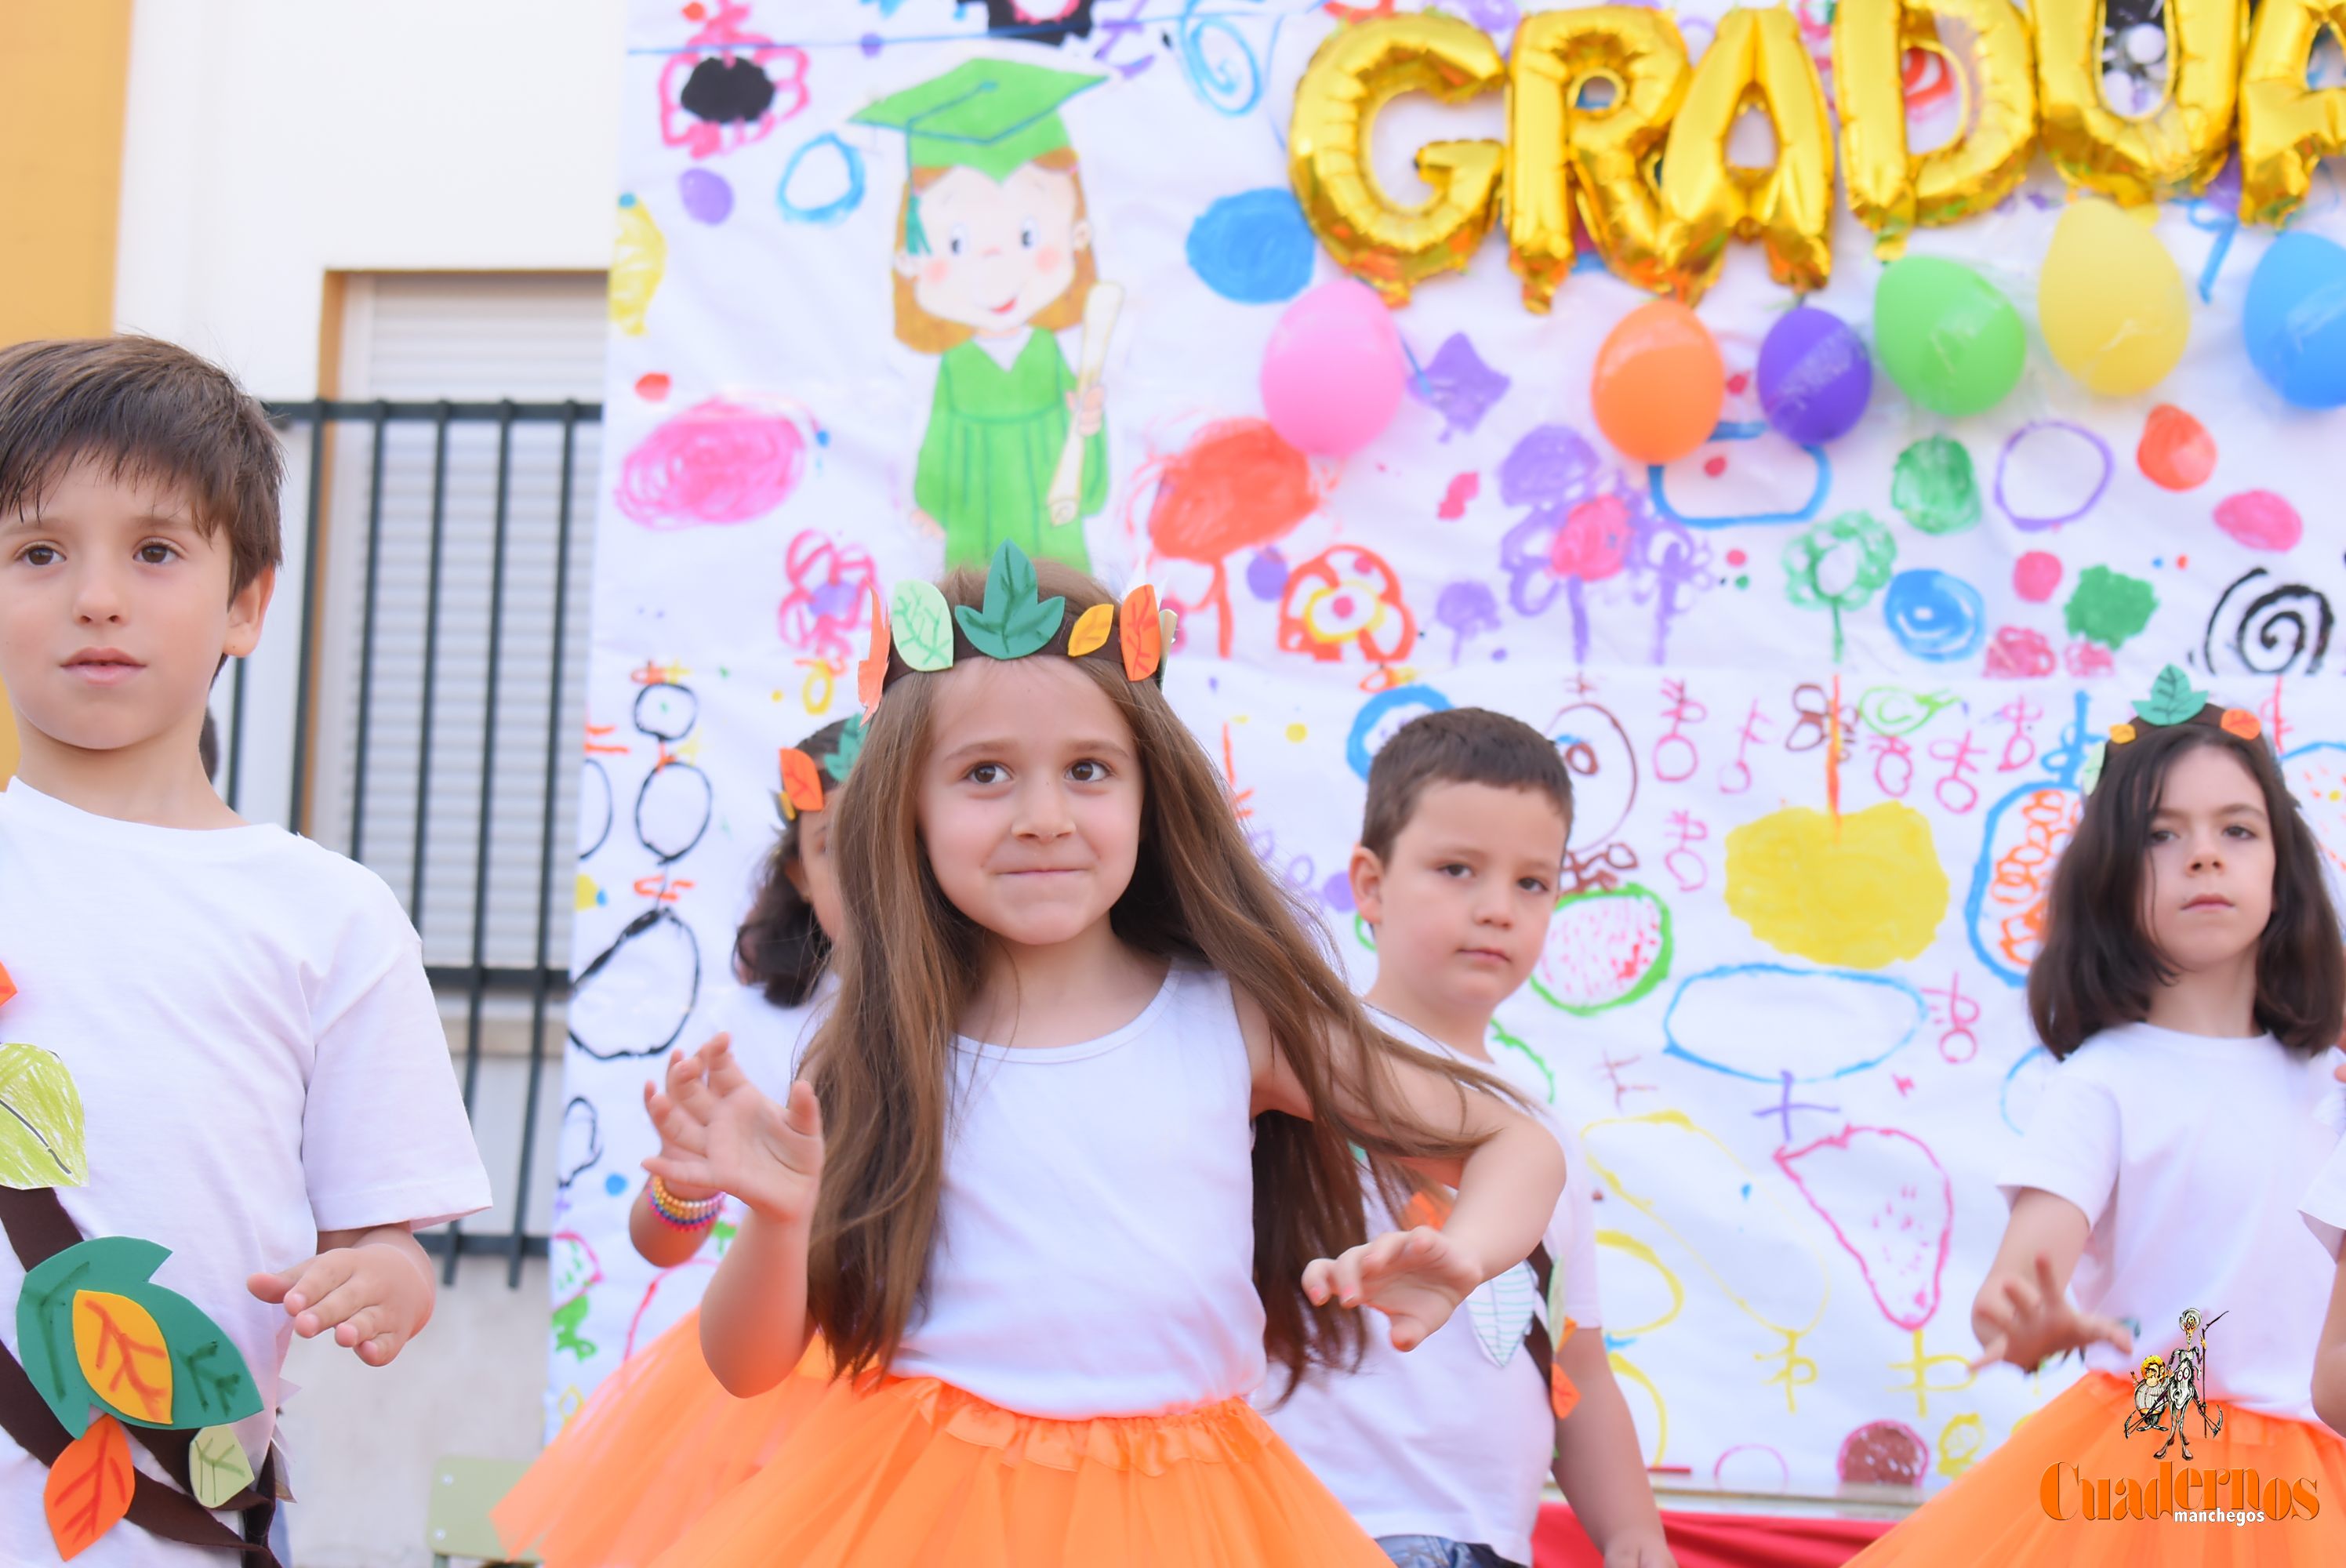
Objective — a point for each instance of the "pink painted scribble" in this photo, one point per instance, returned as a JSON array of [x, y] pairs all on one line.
[[716, 463], [2019, 653], [1890, 1205], [829, 598], [724, 41]]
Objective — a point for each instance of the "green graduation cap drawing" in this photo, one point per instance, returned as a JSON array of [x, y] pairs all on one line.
[[992, 115]]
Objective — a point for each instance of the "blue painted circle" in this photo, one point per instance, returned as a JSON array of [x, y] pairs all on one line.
[[1375, 712], [1934, 616], [836, 209], [1253, 248]]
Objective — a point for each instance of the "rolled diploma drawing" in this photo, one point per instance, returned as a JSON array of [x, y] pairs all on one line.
[[1099, 320]]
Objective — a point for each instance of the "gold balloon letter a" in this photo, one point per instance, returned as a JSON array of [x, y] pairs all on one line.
[[2286, 127], [1355, 72], [1757, 59]]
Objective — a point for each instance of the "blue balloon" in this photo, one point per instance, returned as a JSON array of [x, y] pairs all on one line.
[[1254, 248], [2295, 320]]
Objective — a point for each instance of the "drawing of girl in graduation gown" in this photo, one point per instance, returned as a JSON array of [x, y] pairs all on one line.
[[994, 255]]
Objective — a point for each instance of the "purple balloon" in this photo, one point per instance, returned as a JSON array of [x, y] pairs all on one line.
[[1815, 376], [706, 196]]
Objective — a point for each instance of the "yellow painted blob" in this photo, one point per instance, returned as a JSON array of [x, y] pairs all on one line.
[[1863, 895]]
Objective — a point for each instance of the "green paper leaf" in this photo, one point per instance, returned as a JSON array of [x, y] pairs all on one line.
[[218, 1467], [40, 1121], [1013, 621], [841, 761], [2172, 700], [2091, 773], [210, 1383], [918, 618]]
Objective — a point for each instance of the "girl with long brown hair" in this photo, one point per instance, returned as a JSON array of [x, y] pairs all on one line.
[[1089, 1104], [661, 1438]]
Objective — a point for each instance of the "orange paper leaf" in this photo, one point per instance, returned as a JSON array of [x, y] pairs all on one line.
[[88, 1488], [2240, 721], [1091, 630], [872, 670], [1144, 640], [123, 1354], [801, 781], [2122, 734], [7, 987], [1563, 1394]]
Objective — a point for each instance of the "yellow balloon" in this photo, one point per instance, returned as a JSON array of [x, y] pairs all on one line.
[[2111, 300], [1757, 57], [1890, 190], [2177, 147], [1355, 72], [2286, 127], [1598, 161]]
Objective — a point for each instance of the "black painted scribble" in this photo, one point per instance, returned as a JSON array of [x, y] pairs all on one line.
[[727, 90], [635, 996], [582, 1141], [2261, 627], [594, 807], [672, 810], [1049, 23]]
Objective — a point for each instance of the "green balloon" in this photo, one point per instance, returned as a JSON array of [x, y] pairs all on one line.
[[1950, 340]]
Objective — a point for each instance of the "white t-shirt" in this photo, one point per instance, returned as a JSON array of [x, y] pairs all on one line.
[[2323, 1208], [1455, 1438], [2189, 1156], [1095, 1240], [246, 1018]]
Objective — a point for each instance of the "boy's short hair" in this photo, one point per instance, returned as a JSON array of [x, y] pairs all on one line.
[[1457, 746], [146, 410]]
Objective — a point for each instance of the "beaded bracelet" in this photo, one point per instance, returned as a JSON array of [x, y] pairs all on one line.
[[672, 1210]]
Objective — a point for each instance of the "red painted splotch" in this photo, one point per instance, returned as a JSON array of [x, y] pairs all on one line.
[[2083, 658], [2260, 519], [2035, 576], [2176, 452], [1461, 489], [1238, 486], [653, 386], [2019, 653], [717, 462]]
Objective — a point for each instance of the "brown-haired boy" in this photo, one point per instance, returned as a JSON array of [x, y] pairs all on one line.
[[1440, 1453], [230, 1049]]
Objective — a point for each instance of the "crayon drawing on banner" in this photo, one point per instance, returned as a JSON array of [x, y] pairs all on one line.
[[895, 282]]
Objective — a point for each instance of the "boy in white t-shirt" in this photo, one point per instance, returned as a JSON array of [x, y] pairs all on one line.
[[1440, 1453], [228, 1099]]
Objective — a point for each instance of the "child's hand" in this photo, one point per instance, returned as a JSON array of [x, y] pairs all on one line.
[[1416, 1277], [374, 1294], [2033, 1322], [733, 1139], [1089, 410], [683, 1068], [1639, 1551]]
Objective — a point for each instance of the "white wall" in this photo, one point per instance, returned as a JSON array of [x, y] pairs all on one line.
[[269, 142]]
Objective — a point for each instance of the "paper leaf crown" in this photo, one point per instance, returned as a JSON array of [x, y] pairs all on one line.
[[802, 786], [2173, 700], [1013, 621]]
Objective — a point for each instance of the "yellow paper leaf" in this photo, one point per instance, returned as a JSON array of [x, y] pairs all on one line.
[[1091, 630], [217, 1466], [41, 1129], [88, 1488], [123, 1354]]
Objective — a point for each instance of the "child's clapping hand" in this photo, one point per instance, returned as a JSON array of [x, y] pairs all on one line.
[[720, 1134], [2026, 1323], [1415, 1278]]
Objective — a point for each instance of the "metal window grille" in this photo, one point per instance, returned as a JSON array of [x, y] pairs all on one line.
[[446, 762]]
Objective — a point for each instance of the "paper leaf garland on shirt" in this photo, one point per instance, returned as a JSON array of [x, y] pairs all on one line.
[[209, 1382], [1501, 1311], [1143, 634], [2172, 699], [121, 1352], [89, 1488], [802, 784], [922, 625], [1013, 621], [871, 671], [217, 1466], [1091, 630], [40, 1121]]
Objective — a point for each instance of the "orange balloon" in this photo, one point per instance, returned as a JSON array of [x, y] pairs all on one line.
[[1659, 384]]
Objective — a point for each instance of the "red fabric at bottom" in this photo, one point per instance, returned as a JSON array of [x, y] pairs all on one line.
[[1717, 1540]]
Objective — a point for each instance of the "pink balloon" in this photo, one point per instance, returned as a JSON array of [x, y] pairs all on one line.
[[1333, 372]]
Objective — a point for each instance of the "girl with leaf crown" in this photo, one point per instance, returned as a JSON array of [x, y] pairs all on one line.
[[661, 1439], [1075, 1148], [2191, 986]]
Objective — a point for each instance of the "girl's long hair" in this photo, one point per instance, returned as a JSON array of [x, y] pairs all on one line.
[[2098, 966], [881, 1063], [780, 948]]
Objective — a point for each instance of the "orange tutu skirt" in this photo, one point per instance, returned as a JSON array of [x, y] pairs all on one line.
[[659, 1442], [2069, 1487], [891, 1472]]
